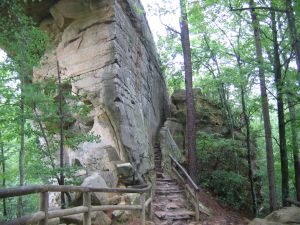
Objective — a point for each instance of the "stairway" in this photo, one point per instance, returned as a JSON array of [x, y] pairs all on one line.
[[170, 205]]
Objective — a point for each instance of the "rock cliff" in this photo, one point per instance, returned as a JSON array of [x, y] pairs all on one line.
[[105, 47], [222, 161]]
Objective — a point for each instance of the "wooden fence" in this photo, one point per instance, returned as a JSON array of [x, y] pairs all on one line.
[[293, 202], [191, 188], [44, 214]]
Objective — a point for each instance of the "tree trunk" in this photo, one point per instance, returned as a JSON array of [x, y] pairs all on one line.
[[3, 174], [249, 157], [295, 42], [61, 134], [22, 143], [265, 107], [293, 121], [190, 124], [295, 146], [280, 108]]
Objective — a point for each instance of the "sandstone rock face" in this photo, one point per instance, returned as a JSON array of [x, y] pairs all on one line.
[[219, 156], [209, 116], [169, 147], [105, 47]]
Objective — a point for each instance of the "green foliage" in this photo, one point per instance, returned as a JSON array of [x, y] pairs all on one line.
[[230, 187], [222, 176]]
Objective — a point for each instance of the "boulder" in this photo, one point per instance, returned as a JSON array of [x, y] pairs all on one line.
[[96, 158], [287, 215], [100, 218], [54, 221], [96, 181], [97, 218]]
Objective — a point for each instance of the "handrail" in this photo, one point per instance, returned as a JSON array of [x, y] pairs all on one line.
[[193, 190], [26, 190], [44, 213], [294, 202], [185, 173]]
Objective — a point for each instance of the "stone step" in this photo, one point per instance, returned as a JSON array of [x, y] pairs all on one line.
[[168, 188], [175, 214], [165, 179], [170, 192]]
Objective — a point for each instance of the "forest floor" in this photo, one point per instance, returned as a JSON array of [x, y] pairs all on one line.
[[220, 215]]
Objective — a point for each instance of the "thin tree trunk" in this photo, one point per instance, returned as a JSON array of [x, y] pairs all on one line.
[[190, 124], [4, 174], [226, 110], [265, 108], [48, 152], [249, 157], [280, 108], [293, 33], [295, 146], [248, 145], [22, 143], [61, 134], [293, 121]]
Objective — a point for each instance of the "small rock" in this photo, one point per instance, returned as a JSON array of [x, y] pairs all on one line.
[[125, 170], [54, 221], [100, 218]]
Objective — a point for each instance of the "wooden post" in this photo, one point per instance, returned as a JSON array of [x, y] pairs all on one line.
[[44, 206], [87, 203], [143, 213], [197, 205]]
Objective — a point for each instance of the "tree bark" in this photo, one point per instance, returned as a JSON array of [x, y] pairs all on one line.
[[295, 42], [22, 74], [190, 124], [249, 157], [265, 108], [295, 146], [61, 134], [280, 109]]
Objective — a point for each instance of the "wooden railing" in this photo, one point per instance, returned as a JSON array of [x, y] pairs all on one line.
[[191, 188], [44, 214], [293, 202]]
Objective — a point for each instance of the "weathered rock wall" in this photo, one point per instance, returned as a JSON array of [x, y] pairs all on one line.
[[105, 47]]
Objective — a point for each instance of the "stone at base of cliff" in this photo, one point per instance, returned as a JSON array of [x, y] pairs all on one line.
[[97, 218], [288, 215]]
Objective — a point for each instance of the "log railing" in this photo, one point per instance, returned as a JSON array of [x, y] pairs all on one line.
[[293, 202], [191, 188], [44, 214]]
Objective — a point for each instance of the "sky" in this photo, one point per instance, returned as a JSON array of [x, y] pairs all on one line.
[[2, 55], [157, 28]]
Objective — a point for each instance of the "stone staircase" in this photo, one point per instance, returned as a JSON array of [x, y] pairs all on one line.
[[170, 204]]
